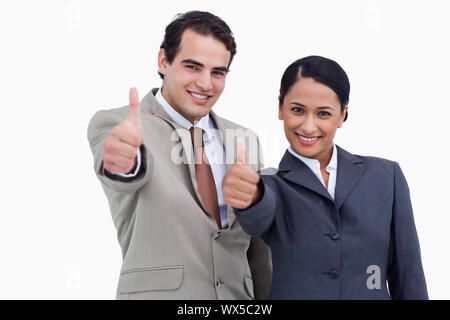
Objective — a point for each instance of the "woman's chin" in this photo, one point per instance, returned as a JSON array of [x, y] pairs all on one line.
[[307, 152]]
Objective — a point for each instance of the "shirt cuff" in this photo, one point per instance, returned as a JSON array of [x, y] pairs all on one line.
[[138, 166]]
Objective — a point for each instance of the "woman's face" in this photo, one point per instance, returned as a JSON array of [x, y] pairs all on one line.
[[311, 113]]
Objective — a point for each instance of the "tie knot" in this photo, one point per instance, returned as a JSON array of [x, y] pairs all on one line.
[[196, 136]]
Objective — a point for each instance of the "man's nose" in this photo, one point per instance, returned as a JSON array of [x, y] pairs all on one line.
[[204, 81]]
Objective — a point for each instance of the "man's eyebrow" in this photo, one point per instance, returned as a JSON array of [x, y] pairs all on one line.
[[190, 61], [224, 69]]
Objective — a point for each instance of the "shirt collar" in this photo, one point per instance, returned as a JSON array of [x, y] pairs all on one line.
[[314, 163], [333, 160], [203, 123]]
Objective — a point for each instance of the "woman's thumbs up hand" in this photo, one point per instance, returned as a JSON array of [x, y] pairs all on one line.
[[240, 184]]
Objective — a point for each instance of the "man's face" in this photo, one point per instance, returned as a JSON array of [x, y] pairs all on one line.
[[196, 77]]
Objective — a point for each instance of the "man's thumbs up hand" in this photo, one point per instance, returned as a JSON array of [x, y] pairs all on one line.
[[240, 184], [134, 115], [120, 147]]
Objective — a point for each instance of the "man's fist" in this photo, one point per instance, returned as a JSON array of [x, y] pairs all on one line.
[[120, 147], [240, 184]]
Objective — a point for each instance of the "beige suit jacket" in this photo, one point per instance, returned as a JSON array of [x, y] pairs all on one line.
[[171, 247]]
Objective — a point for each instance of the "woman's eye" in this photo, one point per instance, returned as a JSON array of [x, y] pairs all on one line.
[[297, 110], [324, 113]]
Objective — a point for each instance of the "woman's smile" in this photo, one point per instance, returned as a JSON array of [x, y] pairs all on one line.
[[307, 141]]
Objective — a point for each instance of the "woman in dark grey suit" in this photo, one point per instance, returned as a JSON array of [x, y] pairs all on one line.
[[340, 226]]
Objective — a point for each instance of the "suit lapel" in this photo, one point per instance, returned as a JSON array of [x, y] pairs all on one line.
[[150, 104], [298, 172], [222, 130], [223, 135], [350, 169]]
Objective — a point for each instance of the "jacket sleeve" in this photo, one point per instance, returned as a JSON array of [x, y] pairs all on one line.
[[258, 253], [257, 219], [99, 128], [405, 273]]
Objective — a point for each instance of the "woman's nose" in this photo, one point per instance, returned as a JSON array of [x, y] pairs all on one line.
[[309, 125]]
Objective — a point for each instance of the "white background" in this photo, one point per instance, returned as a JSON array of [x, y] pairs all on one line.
[[61, 61]]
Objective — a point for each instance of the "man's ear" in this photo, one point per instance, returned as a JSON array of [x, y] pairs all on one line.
[[280, 115], [342, 116], [162, 61]]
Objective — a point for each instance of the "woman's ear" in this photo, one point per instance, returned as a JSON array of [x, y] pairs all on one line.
[[280, 115], [343, 116]]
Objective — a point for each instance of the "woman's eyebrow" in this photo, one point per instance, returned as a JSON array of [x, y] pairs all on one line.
[[303, 106], [298, 104], [325, 107]]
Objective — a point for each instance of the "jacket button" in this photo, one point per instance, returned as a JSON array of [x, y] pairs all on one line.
[[334, 235], [217, 235], [219, 283], [333, 274]]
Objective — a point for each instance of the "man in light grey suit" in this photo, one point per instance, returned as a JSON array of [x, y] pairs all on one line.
[[161, 162]]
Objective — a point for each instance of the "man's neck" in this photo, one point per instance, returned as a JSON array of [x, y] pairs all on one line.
[[170, 102]]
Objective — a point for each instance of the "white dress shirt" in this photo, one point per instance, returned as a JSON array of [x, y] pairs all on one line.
[[213, 145], [314, 165]]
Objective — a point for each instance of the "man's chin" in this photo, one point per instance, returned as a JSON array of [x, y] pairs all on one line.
[[200, 111]]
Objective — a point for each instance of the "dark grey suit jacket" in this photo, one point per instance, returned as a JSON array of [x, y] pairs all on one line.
[[361, 245]]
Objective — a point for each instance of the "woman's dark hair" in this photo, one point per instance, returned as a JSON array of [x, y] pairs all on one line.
[[204, 23], [323, 70]]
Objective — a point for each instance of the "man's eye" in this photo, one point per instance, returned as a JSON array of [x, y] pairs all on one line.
[[192, 67], [218, 73]]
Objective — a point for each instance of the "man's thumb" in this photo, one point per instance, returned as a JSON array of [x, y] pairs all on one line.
[[134, 114], [241, 150]]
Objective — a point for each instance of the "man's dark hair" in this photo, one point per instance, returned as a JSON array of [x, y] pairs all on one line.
[[323, 70], [203, 23]]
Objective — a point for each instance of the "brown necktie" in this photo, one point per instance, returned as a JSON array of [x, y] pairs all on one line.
[[204, 176]]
